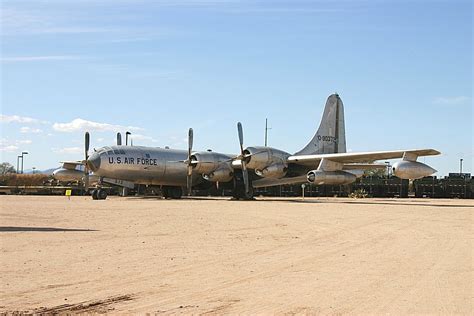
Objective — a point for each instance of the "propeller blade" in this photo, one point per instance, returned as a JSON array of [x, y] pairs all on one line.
[[190, 141], [86, 144], [86, 169], [241, 137], [119, 139], [189, 176], [245, 173]]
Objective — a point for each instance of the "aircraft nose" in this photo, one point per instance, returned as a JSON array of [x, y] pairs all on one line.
[[94, 162]]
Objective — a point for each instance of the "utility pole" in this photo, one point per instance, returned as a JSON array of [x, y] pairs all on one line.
[[266, 132], [460, 166]]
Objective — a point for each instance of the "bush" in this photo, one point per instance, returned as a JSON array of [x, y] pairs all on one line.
[[358, 194], [12, 179]]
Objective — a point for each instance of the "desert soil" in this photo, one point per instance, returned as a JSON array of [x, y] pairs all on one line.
[[278, 256]]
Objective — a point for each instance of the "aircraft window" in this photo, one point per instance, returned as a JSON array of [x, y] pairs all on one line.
[[122, 151], [117, 152], [147, 155], [110, 152]]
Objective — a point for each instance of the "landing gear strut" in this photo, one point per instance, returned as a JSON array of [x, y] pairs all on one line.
[[239, 188]]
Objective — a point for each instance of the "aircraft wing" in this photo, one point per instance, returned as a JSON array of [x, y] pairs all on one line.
[[71, 165], [360, 157]]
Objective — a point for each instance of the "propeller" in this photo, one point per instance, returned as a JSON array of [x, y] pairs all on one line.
[[242, 157], [119, 139], [189, 176], [86, 155]]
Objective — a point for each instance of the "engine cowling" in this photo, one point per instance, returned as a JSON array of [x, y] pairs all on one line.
[[221, 174], [259, 158], [65, 175], [330, 177], [274, 171], [411, 170], [207, 162]]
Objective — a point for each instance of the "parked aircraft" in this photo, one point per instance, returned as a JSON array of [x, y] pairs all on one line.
[[323, 160]]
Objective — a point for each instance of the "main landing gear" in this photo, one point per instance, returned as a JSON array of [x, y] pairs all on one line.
[[99, 194], [171, 192], [239, 188]]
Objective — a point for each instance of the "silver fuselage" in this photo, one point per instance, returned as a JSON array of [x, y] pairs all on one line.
[[143, 165]]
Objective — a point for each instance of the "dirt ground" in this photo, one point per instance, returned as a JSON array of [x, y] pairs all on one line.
[[283, 256]]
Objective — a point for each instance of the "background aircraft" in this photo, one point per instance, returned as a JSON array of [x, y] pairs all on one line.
[[323, 160]]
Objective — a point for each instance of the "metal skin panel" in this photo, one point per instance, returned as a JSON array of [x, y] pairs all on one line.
[[411, 170], [168, 167], [66, 175], [142, 165], [261, 157], [331, 135]]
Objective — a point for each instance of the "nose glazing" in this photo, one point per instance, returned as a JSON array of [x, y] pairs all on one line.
[[94, 162]]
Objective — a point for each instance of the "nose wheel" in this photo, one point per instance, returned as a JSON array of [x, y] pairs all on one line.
[[99, 194]]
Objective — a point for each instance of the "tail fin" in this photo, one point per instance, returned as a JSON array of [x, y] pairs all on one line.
[[331, 135]]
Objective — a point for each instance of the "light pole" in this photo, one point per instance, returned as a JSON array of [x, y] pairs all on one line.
[[460, 166], [18, 164], [34, 168], [22, 159]]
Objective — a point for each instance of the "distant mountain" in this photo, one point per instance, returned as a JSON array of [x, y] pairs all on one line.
[[47, 171]]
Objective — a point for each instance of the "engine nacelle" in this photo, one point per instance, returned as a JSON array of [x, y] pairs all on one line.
[[259, 158], [330, 177], [221, 174], [66, 175], [206, 162], [411, 170], [273, 171]]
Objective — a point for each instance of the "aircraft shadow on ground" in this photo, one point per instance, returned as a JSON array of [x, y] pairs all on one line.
[[378, 203], [42, 229], [309, 201]]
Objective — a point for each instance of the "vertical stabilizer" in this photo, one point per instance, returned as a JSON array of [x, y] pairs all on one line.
[[331, 135]]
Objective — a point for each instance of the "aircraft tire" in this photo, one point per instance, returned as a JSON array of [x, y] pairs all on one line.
[[172, 192], [102, 194], [176, 193], [94, 194]]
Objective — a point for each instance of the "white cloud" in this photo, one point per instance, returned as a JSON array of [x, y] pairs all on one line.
[[68, 150], [20, 119], [26, 129], [451, 100], [140, 137], [14, 59], [79, 124], [9, 148]]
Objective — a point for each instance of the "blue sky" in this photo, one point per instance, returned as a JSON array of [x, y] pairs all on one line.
[[402, 68]]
